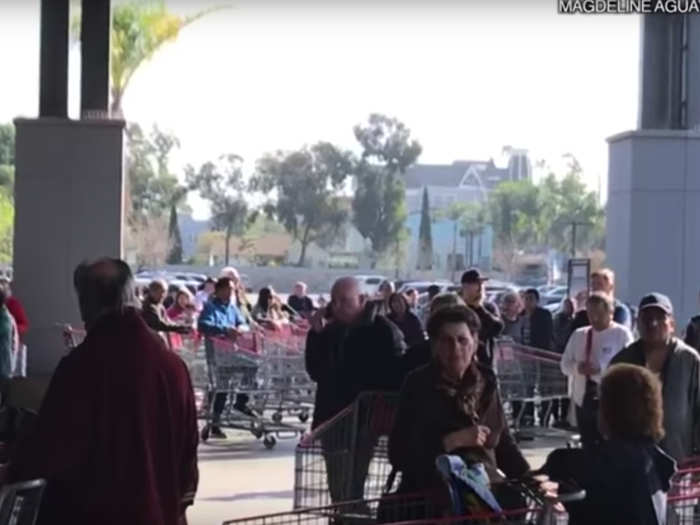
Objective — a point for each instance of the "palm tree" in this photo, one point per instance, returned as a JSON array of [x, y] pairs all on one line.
[[139, 30]]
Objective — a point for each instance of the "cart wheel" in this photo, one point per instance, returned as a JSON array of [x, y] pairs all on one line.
[[270, 441], [257, 433], [205, 433], [277, 417], [303, 417]]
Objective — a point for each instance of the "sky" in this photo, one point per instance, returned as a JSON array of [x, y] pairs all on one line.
[[467, 77]]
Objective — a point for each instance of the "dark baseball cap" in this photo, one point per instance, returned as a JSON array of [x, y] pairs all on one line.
[[473, 275], [656, 300]]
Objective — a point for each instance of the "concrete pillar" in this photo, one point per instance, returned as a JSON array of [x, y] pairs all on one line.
[[53, 69], [653, 216], [68, 208]]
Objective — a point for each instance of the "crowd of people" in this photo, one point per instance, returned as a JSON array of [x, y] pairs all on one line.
[[634, 395], [119, 417]]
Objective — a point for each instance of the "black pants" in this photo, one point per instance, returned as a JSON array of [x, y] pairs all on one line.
[[587, 421]]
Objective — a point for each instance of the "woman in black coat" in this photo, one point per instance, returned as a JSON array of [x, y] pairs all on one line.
[[401, 315]]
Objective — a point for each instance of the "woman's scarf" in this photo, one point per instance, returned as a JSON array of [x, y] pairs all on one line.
[[467, 393]]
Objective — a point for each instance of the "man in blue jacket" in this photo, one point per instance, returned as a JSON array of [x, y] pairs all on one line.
[[221, 318]]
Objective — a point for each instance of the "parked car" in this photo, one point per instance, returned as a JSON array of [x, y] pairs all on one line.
[[369, 284], [422, 286]]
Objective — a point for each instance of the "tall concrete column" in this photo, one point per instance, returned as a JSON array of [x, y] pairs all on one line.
[[68, 208], [653, 209], [653, 216]]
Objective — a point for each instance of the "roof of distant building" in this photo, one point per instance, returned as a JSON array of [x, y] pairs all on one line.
[[453, 175]]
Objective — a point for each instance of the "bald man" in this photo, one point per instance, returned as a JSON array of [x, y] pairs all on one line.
[[350, 349], [116, 437]]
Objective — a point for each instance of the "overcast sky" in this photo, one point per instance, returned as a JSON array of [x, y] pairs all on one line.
[[467, 78]]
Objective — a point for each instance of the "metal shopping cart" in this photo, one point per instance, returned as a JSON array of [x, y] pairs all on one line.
[[283, 372], [346, 458], [531, 383], [232, 369], [423, 509]]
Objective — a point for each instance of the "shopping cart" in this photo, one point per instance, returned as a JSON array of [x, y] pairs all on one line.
[[283, 372], [233, 370], [423, 509], [346, 458], [531, 382]]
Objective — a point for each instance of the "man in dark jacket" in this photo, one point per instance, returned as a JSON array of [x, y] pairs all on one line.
[[116, 436], [300, 302], [537, 322], [474, 296], [350, 349], [154, 314]]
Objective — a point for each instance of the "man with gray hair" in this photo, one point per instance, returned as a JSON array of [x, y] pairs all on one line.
[[116, 437]]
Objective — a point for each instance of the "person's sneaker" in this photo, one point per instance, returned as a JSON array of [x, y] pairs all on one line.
[[217, 433], [247, 410]]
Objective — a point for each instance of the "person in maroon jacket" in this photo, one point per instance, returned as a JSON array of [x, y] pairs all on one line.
[[116, 437], [16, 309]]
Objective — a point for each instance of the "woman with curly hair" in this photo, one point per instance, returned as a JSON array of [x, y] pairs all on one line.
[[627, 476]]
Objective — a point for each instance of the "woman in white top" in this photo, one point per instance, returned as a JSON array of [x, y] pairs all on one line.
[[587, 355]]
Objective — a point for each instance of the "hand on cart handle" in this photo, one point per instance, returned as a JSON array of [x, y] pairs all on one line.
[[474, 436], [588, 369], [233, 333], [318, 320]]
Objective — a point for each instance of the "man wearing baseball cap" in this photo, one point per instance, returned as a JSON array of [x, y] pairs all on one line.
[[473, 294], [677, 366]]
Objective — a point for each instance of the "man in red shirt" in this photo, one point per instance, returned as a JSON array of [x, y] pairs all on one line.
[[116, 436]]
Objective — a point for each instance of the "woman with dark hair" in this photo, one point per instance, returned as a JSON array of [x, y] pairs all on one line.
[[204, 293], [563, 325], [182, 311], [451, 406], [627, 476], [401, 315]]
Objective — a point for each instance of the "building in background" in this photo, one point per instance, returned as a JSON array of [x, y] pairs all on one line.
[[467, 181]]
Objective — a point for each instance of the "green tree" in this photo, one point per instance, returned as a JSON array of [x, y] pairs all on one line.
[[566, 200], [7, 158], [306, 185], [7, 221], [473, 223], [514, 210], [139, 29], [223, 186], [379, 209], [153, 188], [425, 236], [456, 213]]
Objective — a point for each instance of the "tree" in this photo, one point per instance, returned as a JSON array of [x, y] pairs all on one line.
[[514, 213], [174, 238], [7, 158], [7, 221], [152, 187], [307, 185], [222, 185], [139, 30], [425, 236], [456, 213], [379, 209], [473, 223], [566, 201]]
